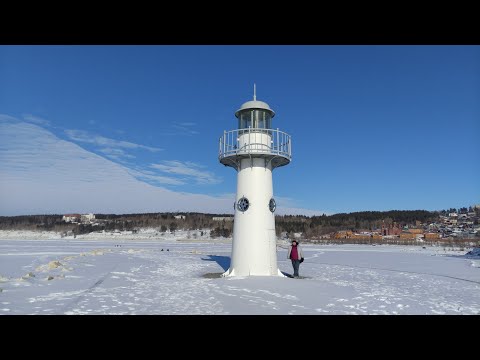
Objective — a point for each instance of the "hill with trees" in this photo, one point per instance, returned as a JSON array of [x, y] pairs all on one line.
[[311, 227]]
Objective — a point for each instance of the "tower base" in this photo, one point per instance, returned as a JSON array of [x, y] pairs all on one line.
[[231, 273]]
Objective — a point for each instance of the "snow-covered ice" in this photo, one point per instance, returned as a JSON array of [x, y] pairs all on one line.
[[116, 275]]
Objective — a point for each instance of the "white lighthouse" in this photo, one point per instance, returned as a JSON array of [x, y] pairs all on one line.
[[254, 150]]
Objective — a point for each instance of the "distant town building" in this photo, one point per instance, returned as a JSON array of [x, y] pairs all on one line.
[[415, 231], [72, 217], [343, 234], [88, 217], [407, 235], [222, 218], [449, 221], [78, 218], [390, 230], [182, 217]]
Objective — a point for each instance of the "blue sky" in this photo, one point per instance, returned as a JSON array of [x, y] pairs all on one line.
[[373, 127]]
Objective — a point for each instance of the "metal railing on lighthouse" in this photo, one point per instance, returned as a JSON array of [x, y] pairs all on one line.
[[272, 144]]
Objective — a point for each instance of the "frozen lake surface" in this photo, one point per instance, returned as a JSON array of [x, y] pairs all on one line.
[[120, 276]]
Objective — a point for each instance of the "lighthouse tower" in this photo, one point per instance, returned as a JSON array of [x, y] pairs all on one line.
[[254, 150]]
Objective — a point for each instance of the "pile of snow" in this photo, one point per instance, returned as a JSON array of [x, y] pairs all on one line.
[[51, 266]]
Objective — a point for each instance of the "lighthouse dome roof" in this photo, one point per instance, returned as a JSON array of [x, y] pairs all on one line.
[[254, 104]]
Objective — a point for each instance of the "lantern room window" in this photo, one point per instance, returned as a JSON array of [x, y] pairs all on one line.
[[256, 119]]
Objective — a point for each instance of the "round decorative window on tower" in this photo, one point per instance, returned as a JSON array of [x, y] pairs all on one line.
[[272, 205], [243, 204]]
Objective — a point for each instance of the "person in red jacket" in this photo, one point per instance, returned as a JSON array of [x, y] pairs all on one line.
[[295, 254]]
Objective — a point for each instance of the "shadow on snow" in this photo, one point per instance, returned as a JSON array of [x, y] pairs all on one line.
[[223, 261]]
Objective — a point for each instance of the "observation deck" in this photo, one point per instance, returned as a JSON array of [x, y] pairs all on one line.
[[273, 145]]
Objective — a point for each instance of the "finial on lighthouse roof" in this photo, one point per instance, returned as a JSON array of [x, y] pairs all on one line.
[[255, 104]]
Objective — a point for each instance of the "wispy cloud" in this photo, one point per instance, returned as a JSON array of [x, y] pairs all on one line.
[[185, 128], [8, 119], [164, 173], [151, 177], [187, 169], [180, 128], [36, 120], [85, 136], [43, 174], [117, 154], [111, 148]]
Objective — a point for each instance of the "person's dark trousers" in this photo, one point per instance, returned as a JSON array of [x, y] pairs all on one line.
[[296, 266]]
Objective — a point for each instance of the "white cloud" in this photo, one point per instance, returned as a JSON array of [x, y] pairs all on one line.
[[84, 136], [188, 169], [36, 120], [42, 174]]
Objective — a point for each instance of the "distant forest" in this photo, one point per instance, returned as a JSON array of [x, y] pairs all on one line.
[[316, 226], [311, 227]]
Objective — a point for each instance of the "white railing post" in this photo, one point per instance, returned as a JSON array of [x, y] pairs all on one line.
[[278, 141], [249, 139], [289, 146], [237, 141]]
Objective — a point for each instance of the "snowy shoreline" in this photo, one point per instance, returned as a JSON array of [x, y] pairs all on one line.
[[186, 236], [142, 234]]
